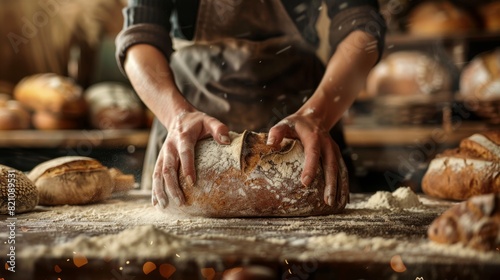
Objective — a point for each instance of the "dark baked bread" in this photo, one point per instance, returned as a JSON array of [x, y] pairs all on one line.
[[472, 169], [249, 178], [474, 223]]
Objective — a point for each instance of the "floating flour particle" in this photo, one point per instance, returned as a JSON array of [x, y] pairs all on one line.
[[402, 198]]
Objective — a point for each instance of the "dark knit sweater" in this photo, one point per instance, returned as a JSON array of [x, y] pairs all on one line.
[[155, 21]]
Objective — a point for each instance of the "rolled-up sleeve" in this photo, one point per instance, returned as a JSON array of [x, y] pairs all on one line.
[[348, 16], [146, 22]]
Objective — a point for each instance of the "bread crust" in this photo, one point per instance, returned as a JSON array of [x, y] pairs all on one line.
[[72, 180], [472, 169], [249, 178], [26, 193]]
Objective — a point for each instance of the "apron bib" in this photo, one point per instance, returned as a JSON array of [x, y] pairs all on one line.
[[249, 67]]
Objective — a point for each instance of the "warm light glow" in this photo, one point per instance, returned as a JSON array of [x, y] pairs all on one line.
[[148, 267], [79, 260], [397, 264], [166, 270], [208, 273]]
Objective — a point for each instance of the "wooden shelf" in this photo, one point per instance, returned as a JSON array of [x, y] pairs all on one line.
[[411, 39], [74, 138]]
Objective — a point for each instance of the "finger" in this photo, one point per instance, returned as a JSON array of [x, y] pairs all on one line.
[[343, 181], [170, 175], [218, 130], [311, 162], [186, 155], [158, 189], [331, 171], [279, 131]]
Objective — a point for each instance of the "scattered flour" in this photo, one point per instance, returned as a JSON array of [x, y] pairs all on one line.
[[137, 242], [402, 198]]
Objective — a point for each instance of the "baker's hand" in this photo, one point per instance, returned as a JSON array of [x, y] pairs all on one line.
[[318, 146], [177, 154]]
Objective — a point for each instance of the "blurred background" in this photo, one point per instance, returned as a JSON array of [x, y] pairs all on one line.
[[437, 83]]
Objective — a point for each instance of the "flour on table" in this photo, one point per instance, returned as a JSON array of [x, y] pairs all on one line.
[[402, 198]]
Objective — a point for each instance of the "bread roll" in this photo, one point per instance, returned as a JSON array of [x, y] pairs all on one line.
[[114, 106], [439, 18], [406, 73], [480, 79], [472, 169], [48, 121], [474, 223], [72, 180], [25, 195], [12, 115], [51, 93], [249, 178], [490, 15]]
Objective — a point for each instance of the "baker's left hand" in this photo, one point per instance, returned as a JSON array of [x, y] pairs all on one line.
[[319, 147]]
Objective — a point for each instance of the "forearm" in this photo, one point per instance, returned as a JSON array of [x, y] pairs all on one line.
[[344, 77], [153, 80]]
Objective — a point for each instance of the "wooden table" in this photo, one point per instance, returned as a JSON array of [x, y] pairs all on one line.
[[291, 248]]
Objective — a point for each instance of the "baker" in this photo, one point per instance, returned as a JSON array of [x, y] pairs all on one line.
[[250, 65]]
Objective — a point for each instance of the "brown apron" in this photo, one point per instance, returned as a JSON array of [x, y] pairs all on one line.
[[249, 67]]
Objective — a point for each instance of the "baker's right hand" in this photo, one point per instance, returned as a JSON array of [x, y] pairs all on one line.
[[176, 156]]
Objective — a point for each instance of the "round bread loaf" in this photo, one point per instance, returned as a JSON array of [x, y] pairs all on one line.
[[406, 73], [72, 180], [48, 121], [439, 18], [472, 169], [51, 93], [490, 15], [12, 115], [480, 79], [474, 223], [248, 178], [17, 193], [114, 106]]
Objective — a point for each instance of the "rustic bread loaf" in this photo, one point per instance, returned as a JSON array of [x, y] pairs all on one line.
[[474, 223], [249, 178], [490, 15], [51, 93], [114, 106], [439, 18], [480, 79], [25, 195], [472, 169], [13, 115], [407, 73], [77, 180], [48, 121]]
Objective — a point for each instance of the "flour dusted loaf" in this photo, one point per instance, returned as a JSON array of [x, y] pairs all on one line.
[[114, 106], [480, 79], [472, 169], [474, 223], [25, 195], [249, 178], [76, 180]]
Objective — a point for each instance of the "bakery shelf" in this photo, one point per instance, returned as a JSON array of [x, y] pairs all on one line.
[[74, 138], [411, 39]]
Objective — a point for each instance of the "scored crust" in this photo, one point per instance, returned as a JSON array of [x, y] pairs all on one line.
[[249, 178], [472, 169]]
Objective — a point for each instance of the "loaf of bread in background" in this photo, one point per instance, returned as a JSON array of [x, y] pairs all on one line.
[[12, 115], [51, 93], [48, 121], [474, 223], [471, 169], [114, 106], [490, 16], [248, 178], [406, 73], [480, 79], [434, 18]]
